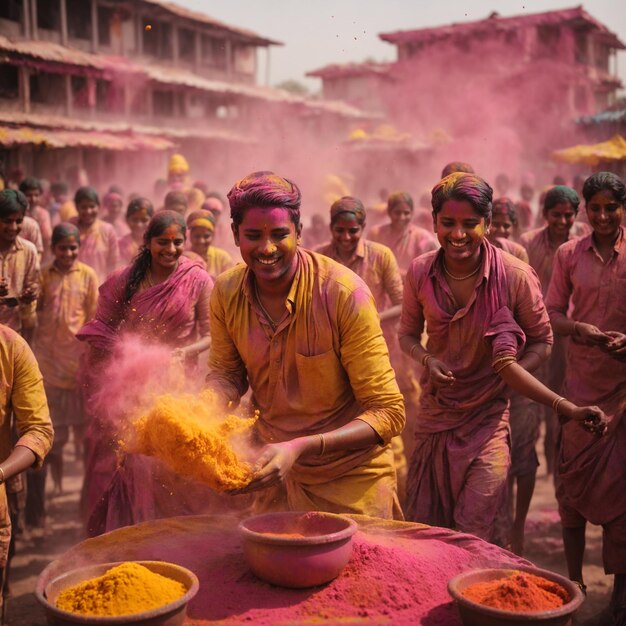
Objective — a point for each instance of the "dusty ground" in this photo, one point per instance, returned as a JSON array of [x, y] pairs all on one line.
[[543, 542]]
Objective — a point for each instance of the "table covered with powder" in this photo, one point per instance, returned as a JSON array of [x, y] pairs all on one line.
[[398, 572]]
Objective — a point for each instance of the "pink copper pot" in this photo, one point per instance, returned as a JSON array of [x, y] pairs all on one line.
[[296, 549]]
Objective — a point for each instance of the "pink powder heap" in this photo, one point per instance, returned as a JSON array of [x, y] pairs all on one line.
[[398, 573]]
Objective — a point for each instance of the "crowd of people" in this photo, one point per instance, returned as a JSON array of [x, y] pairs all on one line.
[[398, 370]]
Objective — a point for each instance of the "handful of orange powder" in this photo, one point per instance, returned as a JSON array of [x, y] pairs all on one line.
[[188, 434]]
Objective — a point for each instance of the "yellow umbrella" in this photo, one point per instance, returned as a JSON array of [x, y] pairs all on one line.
[[612, 150]]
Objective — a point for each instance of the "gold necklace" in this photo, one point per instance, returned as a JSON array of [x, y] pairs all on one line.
[[453, 277], [269, 318]]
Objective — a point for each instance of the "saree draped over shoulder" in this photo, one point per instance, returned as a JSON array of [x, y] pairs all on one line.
[[459, 468], [173, 313]]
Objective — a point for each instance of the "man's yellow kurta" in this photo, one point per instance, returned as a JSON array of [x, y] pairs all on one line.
[[326, 364], [23, 395]]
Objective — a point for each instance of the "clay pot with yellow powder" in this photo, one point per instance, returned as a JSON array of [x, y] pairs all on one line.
[[178, 586]]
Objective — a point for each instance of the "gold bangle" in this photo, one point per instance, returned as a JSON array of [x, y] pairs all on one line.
[[556, 402], [1, 472], [322, 444], [502, 358], [504, 363]]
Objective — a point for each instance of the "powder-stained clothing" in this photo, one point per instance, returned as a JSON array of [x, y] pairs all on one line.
[[465, 425], [376, 265], [525, 415], [128, 250], [591, 470], [325, 364], [21, 394], [67, 301], [120, 226], [42, 217], [20, 266], [174, 312], [98, 248], [411, 243], [516, 249], [31, 232], [541, 253], [217, 261]]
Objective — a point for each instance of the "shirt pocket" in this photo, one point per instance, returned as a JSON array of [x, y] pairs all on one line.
[[322, 381]]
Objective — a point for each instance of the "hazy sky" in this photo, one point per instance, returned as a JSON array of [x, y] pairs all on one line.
[[318, 32]]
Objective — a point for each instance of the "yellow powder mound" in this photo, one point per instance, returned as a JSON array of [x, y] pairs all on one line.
[[125, 589], [187, 434]]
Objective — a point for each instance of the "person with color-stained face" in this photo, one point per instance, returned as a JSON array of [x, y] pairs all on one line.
[[586, 301], [201, 225], [176, 201], [138, 215], [405, 239], [161, 297], [503, 225], [303, 333], [560, 206], [98, 241], [487, 327], [377, 266], [19, 267], [113, 204], [69, 293], [32, 189]]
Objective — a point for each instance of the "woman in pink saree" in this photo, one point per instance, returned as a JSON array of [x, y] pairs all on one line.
[[161, 298]]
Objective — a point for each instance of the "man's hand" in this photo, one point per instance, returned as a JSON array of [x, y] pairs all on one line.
[[29, 295], [439, 373], [616, 346], [590, 335], [273, 465]]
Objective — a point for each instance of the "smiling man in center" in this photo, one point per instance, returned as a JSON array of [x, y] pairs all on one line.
[[303, 332]]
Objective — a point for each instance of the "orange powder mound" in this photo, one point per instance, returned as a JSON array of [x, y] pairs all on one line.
[[190, 436], [518, 592]]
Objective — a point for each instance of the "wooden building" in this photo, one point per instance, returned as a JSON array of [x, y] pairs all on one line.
[[113, 86]]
